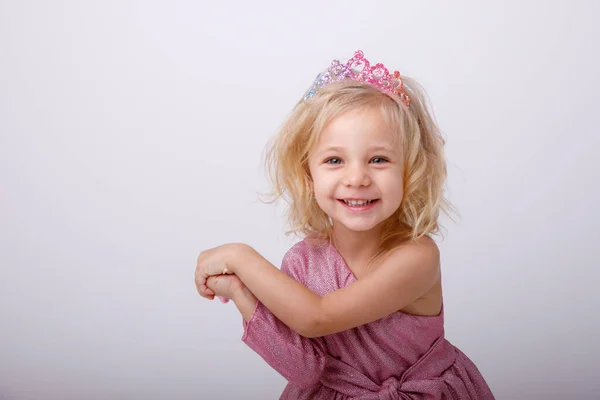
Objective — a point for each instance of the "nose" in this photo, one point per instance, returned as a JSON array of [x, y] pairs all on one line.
[[357, 175]]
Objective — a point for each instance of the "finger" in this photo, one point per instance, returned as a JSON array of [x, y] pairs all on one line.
[[209, 287], [207, 292], [204, 291], [211, 284], [201, 288]]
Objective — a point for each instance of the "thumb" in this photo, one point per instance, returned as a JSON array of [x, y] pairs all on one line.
[[212, 282]]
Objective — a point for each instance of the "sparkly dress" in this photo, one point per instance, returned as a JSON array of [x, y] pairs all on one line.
[[400, 356]]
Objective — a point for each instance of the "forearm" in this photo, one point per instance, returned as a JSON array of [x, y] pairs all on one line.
[[299, 359], [245, 302], [289, 300]]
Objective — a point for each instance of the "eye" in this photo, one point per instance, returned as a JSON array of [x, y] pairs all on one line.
[[379, 160], [333, 160]]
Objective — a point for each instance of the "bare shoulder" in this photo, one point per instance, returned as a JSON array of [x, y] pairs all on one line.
[[423, 257], [423, 252]]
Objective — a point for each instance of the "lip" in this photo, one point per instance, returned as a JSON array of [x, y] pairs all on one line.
[[365, 208]]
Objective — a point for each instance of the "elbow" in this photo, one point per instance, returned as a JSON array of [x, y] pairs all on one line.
[[307, 328], [311, 333], [315, 325], [312, 322]]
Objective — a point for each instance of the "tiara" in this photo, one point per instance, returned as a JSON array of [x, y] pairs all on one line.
[[359, 69]]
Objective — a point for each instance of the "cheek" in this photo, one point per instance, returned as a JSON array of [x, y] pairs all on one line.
[[320, 189], [321, 186], [393, 185]]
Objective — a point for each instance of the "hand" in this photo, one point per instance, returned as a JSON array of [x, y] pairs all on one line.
[[215, 261], [225, 286]]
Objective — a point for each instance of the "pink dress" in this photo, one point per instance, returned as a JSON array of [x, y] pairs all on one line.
[[400, 356]]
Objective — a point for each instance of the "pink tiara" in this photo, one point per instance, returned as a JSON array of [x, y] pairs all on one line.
[[359, 69]]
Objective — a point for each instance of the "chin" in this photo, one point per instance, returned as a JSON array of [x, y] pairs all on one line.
[[359, 226]]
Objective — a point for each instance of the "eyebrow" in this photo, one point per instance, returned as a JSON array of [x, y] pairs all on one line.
[[372, 148]]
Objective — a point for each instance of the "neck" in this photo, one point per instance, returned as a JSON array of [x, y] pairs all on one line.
[[357, 248]]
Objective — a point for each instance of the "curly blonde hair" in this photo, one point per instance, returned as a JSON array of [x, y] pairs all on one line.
[[286, 159]]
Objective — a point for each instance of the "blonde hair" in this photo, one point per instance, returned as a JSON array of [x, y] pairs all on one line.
[[425, 172]]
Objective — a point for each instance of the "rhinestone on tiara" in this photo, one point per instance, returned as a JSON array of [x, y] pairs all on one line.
[[359, 69]]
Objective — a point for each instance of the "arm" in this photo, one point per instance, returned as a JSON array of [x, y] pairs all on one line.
[[300, 360], [404, 276], [245, 302]]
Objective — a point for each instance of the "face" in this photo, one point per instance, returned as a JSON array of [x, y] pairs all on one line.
[[356, 167]]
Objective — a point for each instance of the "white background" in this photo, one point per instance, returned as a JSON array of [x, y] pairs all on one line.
[[131, 136]]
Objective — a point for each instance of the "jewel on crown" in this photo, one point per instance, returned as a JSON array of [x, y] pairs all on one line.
[[359, 69]]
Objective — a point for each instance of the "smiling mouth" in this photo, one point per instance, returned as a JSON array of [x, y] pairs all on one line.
[[358, 203]]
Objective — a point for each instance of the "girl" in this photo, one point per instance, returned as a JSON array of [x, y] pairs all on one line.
[[356, 309]]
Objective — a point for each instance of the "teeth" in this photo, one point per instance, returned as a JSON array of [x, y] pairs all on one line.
[[357, 203]]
